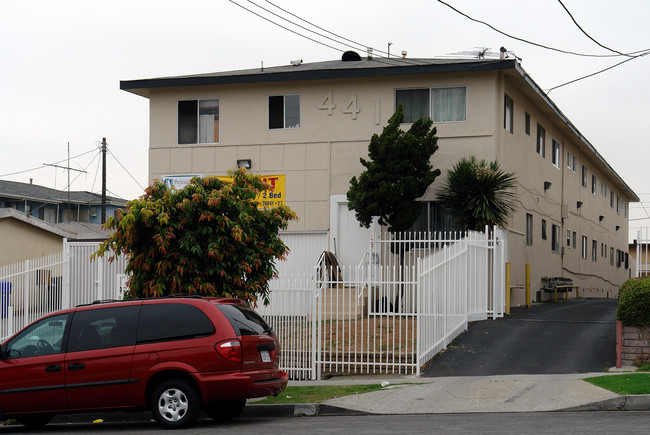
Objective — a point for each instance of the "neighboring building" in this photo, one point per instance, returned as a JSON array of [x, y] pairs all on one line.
[[24, 237], [56, 206], [312, 123]]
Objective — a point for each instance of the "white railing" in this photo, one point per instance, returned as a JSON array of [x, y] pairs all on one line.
[[391, 314], [33, 288], [643, 252]]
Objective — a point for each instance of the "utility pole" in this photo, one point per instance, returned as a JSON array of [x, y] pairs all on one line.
[[103, 180]]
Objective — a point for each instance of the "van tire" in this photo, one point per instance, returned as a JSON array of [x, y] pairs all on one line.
[[175, 403]]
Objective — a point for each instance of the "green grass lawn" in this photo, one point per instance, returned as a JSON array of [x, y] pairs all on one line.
[[629, 383], [318, 393]]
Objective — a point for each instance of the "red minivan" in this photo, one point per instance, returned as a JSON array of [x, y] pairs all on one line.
[[175, 355]]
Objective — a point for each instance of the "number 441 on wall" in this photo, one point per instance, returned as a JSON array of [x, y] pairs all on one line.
[[350, 107]]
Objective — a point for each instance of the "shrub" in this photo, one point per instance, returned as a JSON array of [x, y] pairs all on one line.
[[634, 302]]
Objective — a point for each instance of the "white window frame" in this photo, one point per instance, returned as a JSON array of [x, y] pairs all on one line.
[[584, 247], [594, 185], [585, 177]]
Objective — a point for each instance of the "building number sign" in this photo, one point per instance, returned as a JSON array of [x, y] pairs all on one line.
[[350, 107]]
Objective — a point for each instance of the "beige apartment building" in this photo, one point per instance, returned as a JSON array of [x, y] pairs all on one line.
[[312, 122]]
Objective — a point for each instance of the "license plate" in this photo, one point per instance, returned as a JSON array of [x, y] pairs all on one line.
[[266, 357]]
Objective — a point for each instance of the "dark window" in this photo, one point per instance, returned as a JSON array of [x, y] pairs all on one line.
[[198, 121], [172, 321], [188, 122], [543, 229], [284, 111], [555, 238], [527, 123], [415, 103], [529, 229], [434, 217], [541, 139], [103, 328], [244, 320], [508, 113]]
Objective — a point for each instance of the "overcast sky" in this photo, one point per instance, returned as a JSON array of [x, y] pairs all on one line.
[[62, 60]]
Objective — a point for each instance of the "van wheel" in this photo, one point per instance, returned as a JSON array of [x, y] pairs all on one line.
[[225, 410], [175, 404], [34, 421]]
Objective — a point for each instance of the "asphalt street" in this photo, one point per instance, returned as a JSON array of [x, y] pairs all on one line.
[[575, 336]]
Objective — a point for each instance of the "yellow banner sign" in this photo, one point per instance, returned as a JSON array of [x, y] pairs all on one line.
[[269, 198]]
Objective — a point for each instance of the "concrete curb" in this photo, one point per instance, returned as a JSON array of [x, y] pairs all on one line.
[[633, 402]]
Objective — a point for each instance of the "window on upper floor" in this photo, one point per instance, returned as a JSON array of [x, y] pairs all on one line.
[[568, 238], [618, 205], [527, 123], [541, 138], [584, 247], [543, 229], [555, 158], [529, 229], [284, 111], [574, 244], [508, 113], [594, 185], [584, 176], [198, 121], [611, 199], [448, 104], [611, 256]]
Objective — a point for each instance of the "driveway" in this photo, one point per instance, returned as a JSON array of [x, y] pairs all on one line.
[[576, 336]]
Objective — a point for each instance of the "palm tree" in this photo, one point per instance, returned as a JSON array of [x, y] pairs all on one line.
[[479, 193]]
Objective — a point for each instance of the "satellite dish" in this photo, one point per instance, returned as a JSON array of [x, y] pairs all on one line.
[[350, 56]]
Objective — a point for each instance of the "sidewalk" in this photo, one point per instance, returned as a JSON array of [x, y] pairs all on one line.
[[512, 393], [413, 395]]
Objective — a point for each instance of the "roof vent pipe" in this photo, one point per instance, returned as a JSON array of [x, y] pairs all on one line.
[[369, 53], [403, 54]]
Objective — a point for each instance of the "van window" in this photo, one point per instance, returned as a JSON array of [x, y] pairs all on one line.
[[165, 322], [42, 338], [244, 320], [103, 328]]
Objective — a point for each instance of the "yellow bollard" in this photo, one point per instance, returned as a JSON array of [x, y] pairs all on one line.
[[528, 285], [507, 288]]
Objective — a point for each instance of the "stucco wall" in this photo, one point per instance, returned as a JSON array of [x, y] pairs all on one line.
[[20, 241], [321, 156]]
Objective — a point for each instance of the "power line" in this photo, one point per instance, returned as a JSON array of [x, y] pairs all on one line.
[[535, 43], [285, 28], [305, 28], [44, 166], [597, 72], [126, 170], [589, 36]]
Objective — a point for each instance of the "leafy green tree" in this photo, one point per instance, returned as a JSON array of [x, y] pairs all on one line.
[[208, 238], [397, 173], [479, 193]]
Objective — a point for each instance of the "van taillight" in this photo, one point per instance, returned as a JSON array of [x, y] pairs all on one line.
[[230, 350]]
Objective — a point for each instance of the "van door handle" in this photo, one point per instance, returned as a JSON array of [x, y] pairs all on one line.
[[76, 366], [54, 368]]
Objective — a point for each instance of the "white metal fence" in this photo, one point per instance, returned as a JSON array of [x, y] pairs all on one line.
[[643, 252], [33, 288], [411, 296]]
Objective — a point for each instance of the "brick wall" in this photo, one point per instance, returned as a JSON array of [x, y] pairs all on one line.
[[634, 344]]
